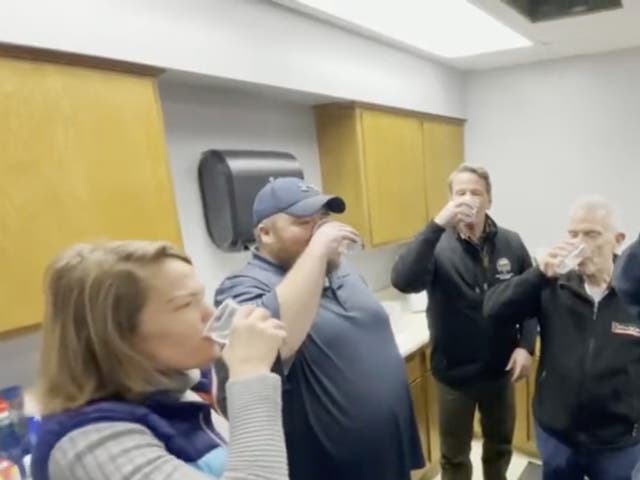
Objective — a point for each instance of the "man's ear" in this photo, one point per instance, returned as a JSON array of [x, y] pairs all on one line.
[[264, 233], [620, 238]]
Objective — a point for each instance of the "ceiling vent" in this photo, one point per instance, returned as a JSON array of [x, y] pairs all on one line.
[[543, 10]]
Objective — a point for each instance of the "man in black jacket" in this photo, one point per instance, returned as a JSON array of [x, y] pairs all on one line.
[[587, 402], [457, 258], [627, 277]]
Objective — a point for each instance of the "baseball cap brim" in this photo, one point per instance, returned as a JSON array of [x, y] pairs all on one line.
[[311, 206]]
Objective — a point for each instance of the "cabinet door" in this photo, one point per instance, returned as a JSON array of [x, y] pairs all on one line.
[[443, 143], [433, 413], [521, 434], [532, 448], [339, 146], [83, 158], [419, 398], [394, 175]]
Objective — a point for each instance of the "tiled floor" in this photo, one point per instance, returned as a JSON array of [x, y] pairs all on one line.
[[518, 463]]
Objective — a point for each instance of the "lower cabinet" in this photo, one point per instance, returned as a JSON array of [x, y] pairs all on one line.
[[524, 413], [521, 434], [419, 398], [423, 395], [434, 431]]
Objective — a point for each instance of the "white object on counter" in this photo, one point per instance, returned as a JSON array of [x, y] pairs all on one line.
[[393, 309], [411, 332], [417, 301], [410, 329]]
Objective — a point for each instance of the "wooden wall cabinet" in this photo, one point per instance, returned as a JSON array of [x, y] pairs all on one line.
[[390, 167], [443, 143], [83, 158]]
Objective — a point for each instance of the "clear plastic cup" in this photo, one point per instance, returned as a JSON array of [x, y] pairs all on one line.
[[218, 328], [348, 247], [571, 261], [475, 204]]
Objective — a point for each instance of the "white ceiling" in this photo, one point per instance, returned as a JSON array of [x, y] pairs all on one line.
[[587, 34]]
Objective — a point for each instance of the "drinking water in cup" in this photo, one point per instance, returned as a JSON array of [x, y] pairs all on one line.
[[572, 260], [475, 204], [347, 246], [218, 328]]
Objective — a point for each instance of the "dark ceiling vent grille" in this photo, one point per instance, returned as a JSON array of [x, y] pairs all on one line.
[[542, 10]]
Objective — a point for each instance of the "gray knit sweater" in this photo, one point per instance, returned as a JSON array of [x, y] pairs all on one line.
[[128, 451]]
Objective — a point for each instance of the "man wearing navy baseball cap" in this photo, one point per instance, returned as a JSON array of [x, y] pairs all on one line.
[[346, 402], [285, 213], [294, 197]]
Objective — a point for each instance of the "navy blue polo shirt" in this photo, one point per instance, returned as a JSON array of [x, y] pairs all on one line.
[[346, 403]]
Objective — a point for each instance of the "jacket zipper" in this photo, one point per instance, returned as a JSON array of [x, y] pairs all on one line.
[[590, 348], [592, 338], [485, 260], [485, 268], [593, 329]]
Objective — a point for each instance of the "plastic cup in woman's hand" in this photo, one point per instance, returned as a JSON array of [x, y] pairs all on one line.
[[218, 328], [255, 340]]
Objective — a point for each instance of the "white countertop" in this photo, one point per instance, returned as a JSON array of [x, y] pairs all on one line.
[[410, 328], [411, 332]]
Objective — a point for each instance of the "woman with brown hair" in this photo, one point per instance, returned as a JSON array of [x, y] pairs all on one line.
[[123, 336]]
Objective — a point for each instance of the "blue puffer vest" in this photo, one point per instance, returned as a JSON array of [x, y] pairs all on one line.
[[184, 427]]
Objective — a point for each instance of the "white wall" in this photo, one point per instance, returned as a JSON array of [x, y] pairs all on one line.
[[198, 119], [19, 358], [250, 40], [553, 131]]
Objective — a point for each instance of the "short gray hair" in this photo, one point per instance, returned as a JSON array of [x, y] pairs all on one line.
[[597, 204]]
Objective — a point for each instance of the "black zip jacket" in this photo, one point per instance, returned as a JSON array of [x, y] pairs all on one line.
[[456, 275], [627, 277], [588, 382]]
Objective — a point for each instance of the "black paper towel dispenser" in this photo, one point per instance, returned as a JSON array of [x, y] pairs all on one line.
[[229, 181]]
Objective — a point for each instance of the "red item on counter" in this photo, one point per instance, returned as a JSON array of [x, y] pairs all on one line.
[[8, 470]]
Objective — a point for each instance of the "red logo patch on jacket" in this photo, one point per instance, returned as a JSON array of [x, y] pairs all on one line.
[[625, 329]]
